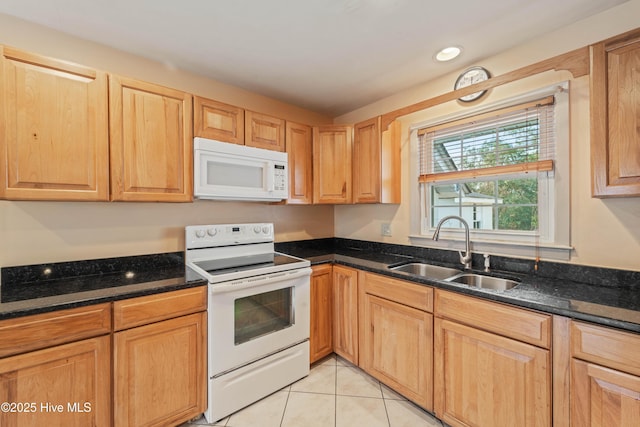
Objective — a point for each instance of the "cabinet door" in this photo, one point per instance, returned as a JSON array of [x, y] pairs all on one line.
[[54, 138], [398, 347], [391, 173], [366, 162], [603, 397], [215, 120], [321, 331], [151, 142], [332, 154], [160, 372], [485, 380], [263, 131], [376, 162], [66, 385], [300, 150], [345, 313], [615, 112]]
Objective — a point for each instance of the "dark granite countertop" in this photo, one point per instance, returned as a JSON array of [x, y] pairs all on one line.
[[603, 296], [613, 302], [43, 288]]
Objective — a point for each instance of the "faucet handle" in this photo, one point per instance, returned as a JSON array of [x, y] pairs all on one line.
[[465, 259]]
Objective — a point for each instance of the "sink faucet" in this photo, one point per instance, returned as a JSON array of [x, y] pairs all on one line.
[[466, 258]]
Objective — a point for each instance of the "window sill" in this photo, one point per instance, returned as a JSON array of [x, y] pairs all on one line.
[[531, 250]]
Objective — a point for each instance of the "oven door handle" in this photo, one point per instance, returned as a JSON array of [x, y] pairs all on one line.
[[265, 279]]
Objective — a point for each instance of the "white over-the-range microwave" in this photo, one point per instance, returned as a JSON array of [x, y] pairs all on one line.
[[225, 171]]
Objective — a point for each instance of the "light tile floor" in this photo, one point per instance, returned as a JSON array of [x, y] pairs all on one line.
[[334, 394]]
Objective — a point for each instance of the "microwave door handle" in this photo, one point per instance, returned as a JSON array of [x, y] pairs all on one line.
[[270, 178]]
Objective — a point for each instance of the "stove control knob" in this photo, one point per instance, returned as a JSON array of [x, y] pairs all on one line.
[[212, 232], [200, 234], [256, 229], [265, 229]]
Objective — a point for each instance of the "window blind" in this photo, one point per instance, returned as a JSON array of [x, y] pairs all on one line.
[[511, 140]]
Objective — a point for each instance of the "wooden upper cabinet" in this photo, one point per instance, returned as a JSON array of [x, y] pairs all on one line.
[[54, 138], [218, 121], [263, 131], [332, 164], [151, 142], [615, 116], [300, 149], [376, 162], [366, 161]]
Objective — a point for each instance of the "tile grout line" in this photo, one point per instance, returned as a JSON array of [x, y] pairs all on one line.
[[285, 406], [384, 401]]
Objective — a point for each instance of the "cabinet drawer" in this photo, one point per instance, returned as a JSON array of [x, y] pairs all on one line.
[[154, 308], [605, 346], [523, 325], [416, 296], [45, 330]]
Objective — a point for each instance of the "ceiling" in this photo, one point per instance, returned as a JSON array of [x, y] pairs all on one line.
[[329, 56]]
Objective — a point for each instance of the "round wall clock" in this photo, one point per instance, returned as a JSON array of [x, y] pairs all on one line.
[[471, 76]]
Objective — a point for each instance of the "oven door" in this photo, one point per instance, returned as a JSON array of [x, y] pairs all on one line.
[[255, 317]]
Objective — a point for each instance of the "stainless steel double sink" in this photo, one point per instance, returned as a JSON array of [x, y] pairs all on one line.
[[436, 272]]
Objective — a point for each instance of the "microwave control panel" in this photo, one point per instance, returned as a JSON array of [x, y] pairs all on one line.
[[279, 177]]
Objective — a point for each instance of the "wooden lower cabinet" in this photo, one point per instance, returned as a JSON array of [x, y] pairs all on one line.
[[396, 340], [345, 313], [66, 385], [605, 376], [484, 376], [159, 358], [160, 372], [321, 327], [483, 379], [135, 362], [603, 397]]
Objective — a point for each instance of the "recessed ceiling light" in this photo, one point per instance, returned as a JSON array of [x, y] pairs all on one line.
[[448, 53]]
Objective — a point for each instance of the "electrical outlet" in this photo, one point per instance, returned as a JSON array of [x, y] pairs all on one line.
[[386, 229]]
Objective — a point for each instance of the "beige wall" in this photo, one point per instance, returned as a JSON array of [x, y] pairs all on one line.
[[603, 232], [39, 232]]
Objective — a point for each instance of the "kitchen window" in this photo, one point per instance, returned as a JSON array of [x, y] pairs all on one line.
[[504, 169]]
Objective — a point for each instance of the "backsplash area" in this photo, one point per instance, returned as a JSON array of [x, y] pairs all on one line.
[[597, 276]]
